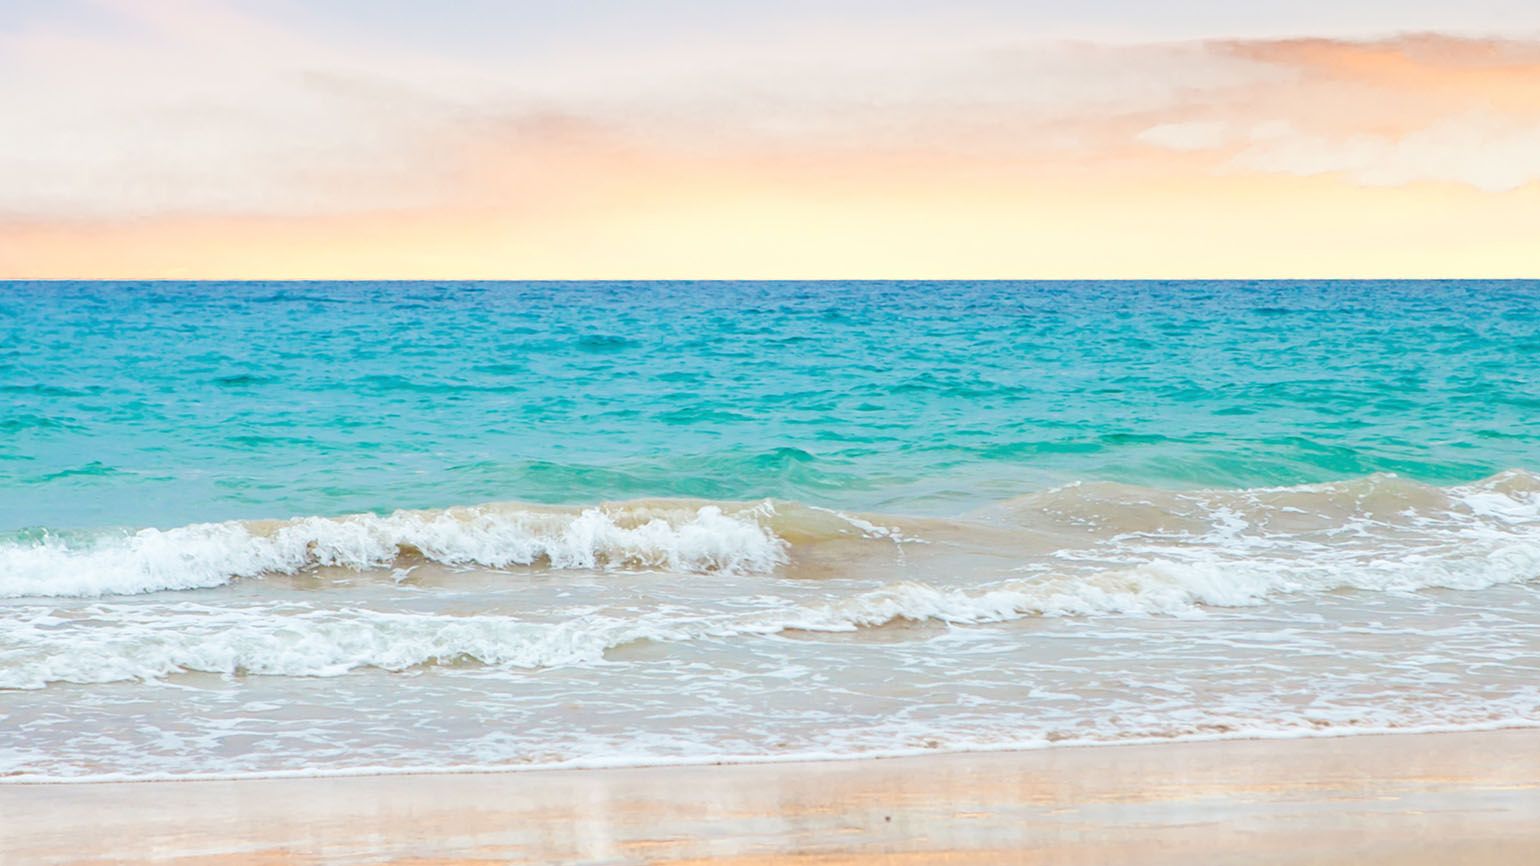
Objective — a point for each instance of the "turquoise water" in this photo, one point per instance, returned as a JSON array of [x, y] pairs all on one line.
[[137, 404], [686, 522]]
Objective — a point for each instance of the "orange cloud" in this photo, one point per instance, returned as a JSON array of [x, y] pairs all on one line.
[[1500, 74]]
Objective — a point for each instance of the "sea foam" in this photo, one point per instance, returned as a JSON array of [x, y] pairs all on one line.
[[1084, 548], [154, 642], [663, 537]]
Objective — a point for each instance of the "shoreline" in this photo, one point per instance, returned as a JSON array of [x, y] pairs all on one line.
[[1412, 798], [665, 763]]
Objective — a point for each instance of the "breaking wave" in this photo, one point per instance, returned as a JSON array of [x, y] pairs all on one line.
[[673, 537], [1080, 549], [1147, 553]]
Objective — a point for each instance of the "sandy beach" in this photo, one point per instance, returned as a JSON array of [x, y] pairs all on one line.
[[1405, 799]]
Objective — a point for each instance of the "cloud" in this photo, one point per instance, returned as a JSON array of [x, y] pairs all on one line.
[[1189, 135], [179, 136], [186, 107], [1478, 149], [1422, 109], [182, 106]]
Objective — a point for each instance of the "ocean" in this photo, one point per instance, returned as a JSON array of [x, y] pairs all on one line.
[[335, 527]]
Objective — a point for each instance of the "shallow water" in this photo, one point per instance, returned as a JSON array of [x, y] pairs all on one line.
[[927, 517]]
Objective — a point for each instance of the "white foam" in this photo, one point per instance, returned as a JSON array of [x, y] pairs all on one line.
[[1209, 547], [1116, 556], [1172, 587], [152, 642], [204, 555], [121, 642], [1241, 554], [873, 530]]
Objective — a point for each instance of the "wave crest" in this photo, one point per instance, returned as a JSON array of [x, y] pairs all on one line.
[[1218, 547], [673, 537], [157, 643]]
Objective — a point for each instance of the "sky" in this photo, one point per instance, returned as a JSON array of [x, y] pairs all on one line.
[[145, 139]]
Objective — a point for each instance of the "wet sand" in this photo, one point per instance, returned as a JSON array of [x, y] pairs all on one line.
[[1418, 799]]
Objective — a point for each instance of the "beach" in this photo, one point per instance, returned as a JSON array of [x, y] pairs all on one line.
[[977, 572], [1400, 799]]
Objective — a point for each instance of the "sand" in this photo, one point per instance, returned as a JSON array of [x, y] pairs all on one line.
[[1405, 799]]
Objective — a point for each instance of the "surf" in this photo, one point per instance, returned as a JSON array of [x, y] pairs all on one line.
[[1206, 546]]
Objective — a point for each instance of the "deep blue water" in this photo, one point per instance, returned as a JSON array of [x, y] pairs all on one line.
[[136, 404]]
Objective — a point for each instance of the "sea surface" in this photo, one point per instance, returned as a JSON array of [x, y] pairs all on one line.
[[310, 528]]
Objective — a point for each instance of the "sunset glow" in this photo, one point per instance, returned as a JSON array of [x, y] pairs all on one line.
[[192, 139]]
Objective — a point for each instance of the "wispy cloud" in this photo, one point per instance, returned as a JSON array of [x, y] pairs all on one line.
[[1388, 113]]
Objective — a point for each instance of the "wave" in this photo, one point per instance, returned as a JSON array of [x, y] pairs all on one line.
[[158, 642], [1082, 548], [143, 642], [669, 536]]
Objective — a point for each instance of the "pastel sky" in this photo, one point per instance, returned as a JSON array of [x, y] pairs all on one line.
[[845, 138]]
